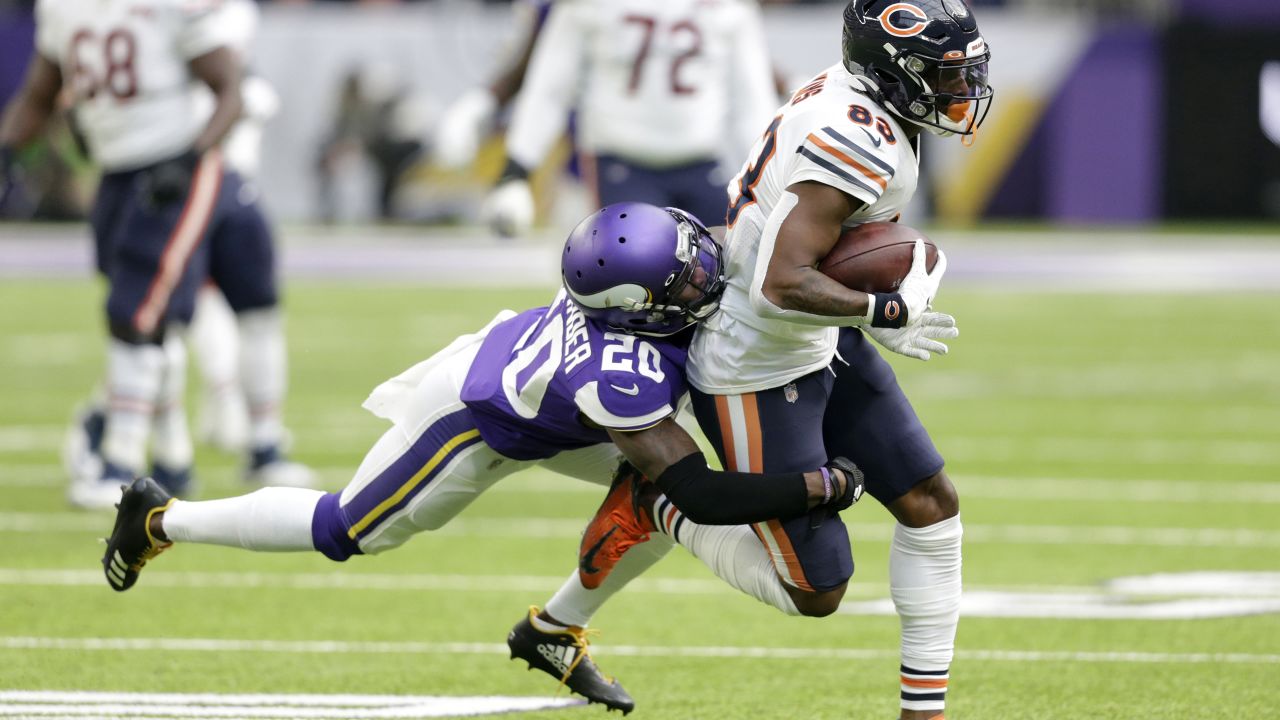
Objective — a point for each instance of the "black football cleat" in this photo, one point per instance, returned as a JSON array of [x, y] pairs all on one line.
[[564, 656], [131, 543]]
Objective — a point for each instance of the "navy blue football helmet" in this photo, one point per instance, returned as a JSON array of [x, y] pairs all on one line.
[[926, 58], [643, 269]]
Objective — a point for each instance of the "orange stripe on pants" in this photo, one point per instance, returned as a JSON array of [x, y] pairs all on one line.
[[206, 182], [752, 440]]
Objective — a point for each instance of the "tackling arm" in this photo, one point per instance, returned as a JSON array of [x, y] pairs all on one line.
[[666, 454]]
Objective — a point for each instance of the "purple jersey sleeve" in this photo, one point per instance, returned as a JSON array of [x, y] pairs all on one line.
[[623, 399]]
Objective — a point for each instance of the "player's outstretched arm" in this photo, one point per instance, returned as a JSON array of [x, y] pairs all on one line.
[[666, 454]]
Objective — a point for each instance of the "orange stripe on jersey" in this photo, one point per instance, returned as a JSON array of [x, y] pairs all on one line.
[[788, 551], [726, 433], [915, 683], [871, 175]]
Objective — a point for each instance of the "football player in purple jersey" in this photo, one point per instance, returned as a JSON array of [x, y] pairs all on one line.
[[596, 375]]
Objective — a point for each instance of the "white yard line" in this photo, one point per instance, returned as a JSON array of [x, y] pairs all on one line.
[[48, 439], [216, 645], [75, 704], [1191, 584], [361, 582], [555, 528]]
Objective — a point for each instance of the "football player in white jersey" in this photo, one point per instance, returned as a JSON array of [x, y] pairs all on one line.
[[167, 216], [785, 372], [662, 89]]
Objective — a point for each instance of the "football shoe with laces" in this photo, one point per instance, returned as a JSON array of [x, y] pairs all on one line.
[[564, 655], [131, 543], [617, 525]]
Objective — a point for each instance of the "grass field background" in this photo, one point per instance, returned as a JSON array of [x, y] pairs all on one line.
[[1092, 437]]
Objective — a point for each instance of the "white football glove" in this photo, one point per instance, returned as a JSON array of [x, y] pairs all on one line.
[[463, 127], [921, 338], [509, 208], [919, 286]]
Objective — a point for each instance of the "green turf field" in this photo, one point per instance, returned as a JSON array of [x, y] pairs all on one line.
[[1092, 438]]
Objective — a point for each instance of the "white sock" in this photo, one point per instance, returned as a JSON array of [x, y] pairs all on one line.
[[733, 552], [262, 372], [215, 343], [134, 375], [924, 580], [171, 438], [574, 604], [273, 519]]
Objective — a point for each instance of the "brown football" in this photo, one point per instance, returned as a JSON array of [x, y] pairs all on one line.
[[874, 257]]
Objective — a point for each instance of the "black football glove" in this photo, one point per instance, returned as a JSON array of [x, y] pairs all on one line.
[[169, 181], [853, 484], [840, 500]]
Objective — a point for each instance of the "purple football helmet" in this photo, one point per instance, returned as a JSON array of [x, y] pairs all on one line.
[[643, 269]]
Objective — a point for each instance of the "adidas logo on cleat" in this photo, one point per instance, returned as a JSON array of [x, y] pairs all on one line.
[[561, 656]]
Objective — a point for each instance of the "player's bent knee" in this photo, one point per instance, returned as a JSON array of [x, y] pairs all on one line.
[[817, 604], [931, 501], [329, 531]]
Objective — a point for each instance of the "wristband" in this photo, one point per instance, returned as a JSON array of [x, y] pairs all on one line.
[[827, 489], [887, 311]]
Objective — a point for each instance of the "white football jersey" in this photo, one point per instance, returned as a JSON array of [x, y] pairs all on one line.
[[832, 133], [124, 63], [658, 82]]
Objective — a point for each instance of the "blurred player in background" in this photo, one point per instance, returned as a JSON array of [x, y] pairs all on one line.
[[784, 373], [572, 387], [223, 414], [470, 118], [168, 214], [662, 90]]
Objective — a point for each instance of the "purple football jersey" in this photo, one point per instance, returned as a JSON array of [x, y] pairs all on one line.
[[549, 379]]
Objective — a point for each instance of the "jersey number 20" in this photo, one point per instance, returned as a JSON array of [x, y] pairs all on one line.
[[624, 353]]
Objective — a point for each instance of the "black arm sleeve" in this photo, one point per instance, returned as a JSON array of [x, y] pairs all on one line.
[[712, 497]]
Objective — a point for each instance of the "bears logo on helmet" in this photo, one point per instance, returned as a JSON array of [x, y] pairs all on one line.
[[903, 20], [926, 58]]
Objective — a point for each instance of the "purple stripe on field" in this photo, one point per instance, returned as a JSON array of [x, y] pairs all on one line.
[[1104, 131]]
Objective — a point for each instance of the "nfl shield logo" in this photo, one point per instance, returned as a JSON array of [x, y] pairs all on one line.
[[790, 393]]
